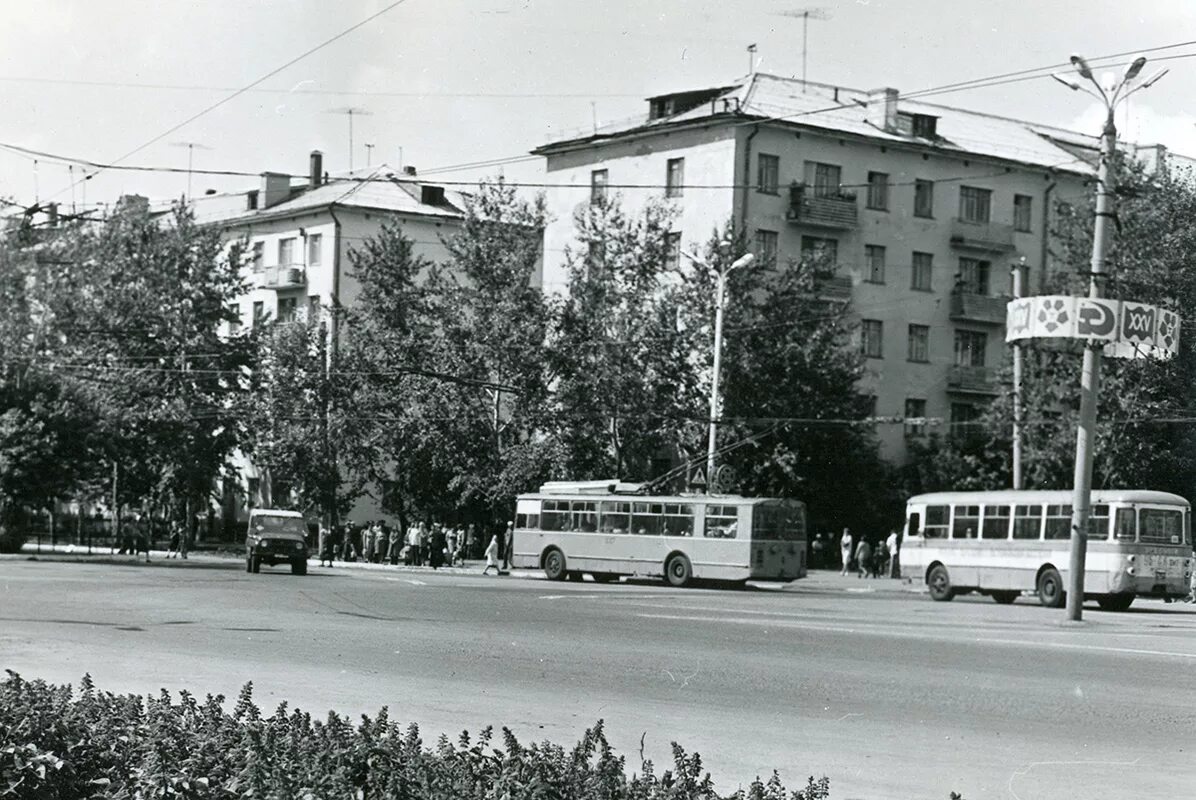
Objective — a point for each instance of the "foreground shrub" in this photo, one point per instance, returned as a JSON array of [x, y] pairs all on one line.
[[59, 744]]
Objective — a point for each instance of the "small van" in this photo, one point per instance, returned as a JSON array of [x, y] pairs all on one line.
[[276, 537]]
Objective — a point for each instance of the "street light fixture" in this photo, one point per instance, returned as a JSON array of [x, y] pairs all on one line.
[[720, 293], [1090, 374]]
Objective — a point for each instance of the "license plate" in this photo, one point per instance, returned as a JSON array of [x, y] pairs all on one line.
[[1160, 574]]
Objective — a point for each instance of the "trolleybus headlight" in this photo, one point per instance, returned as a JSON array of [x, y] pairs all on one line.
[[1129, 570]]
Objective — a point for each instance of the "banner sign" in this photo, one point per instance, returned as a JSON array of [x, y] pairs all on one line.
[[1128, 329]]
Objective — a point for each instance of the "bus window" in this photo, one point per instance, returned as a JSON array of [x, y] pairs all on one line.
[[1187, 527], [585, 516], [678, 520], [1126, 528], [1160, 525], [967, 521], [722, 522], [773, 522], [996, 522], [1058, 522], [647, 519], [914, 525], [937, 518], [1027, 522], [1098, 522], [614, 517], [555, 516]]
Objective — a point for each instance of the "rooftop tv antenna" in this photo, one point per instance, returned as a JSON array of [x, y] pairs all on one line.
[[805, 15], [191, 146], [350, 112]]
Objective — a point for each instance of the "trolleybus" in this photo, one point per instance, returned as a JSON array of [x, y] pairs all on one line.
[[1003, 543], [567, 529]]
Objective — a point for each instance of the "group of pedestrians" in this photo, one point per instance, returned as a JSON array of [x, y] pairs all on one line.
[[864, 556], [424, 544]]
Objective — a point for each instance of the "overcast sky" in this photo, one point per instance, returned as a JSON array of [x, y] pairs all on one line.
[[452, 81]]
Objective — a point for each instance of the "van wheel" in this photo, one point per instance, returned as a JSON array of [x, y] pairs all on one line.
[[248, 563], [1005, 597], [938, 581], [1050, 588], [554, 565], [677, 571], [1115, 602], [298, 567], [255, 564]]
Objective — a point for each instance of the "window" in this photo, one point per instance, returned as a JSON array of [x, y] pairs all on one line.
[[975, 205], [722, 522], [1022, 205], [919, 343], [969, 348], [674, 177], [1098, 522], [555, 515], [662, 519], [874, 259], [872, 338], [923, 198], [766, 247], [973, 276], [922, 269], [234, 323], [598, 180], [821, 254], [967, 522], [585, 516], [825, 178], [915, 417], [313, 307], [878, 191], [1058, 522], [259, 261], [614, 517], [259, 313], [964, 419], [1126, 528], [925, 126], [672, 250], [768, 171], [996, 523], [286, 309], [1160, 525], [315, 249], [1027, 522], [286, 251], [937, 518]]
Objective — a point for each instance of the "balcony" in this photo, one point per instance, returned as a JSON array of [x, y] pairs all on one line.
[[973, 380], [836, 211], [971, 307], [985, 237], [287, 276], [830, 286]]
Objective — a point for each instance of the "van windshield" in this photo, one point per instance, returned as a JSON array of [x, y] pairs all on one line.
[[263, 523]]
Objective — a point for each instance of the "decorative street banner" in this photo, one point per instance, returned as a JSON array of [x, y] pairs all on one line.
[[1129, 330]]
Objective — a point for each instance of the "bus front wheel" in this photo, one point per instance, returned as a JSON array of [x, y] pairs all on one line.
[[554, 565], [678, 571], [1115, 602], [1005, 597], [1050, 588], [938, 581], [604, 577]]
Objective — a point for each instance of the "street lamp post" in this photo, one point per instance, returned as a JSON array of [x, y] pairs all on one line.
[[720, 293], [1110, 95]]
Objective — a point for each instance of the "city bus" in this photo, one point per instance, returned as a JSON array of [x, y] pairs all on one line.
[[567, 529], [1003, 543]]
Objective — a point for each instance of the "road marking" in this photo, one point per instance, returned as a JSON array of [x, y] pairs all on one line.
[[414, 582], [883, 631]]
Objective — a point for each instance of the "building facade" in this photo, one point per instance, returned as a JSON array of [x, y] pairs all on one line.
[[915, 213]]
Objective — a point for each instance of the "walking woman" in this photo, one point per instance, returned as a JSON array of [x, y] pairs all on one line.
[[492, 556], [845, 546]]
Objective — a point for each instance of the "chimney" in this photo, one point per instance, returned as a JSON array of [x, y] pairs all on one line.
[[276, 187], [409, 172], [315, 169], [882, 109]]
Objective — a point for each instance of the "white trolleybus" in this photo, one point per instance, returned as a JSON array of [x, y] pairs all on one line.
[[607, 530], [1003, 543]]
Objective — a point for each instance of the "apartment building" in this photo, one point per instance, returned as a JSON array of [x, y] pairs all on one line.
[[299, 234], [917, 211]]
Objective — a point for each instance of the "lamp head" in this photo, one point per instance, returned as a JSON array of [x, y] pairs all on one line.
[[742, 261], [1068, 82], [1081, 66], [1134, 68], [1153, 79]]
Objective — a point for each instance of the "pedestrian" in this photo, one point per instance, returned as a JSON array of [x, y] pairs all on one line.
[[508, 543], [817, 550], [451, 548], [845, 548], [894, 544], [425, 536], [395, 542], [175, 537], [438, 546], [880, 558], [492, 556], [471, 542], [863, 558], [138, 536], [369, 537], [328, 545]]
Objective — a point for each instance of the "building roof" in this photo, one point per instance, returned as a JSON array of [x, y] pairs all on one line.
[[843, 110], [379, 189]]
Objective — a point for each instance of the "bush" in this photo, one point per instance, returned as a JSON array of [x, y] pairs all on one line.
[[59, 744], [11, 540]]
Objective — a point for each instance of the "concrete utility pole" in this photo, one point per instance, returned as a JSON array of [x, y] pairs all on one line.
[[1019, 288], [720, 293], [1110, 94]]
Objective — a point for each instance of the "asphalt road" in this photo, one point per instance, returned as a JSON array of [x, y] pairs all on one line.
[[888, 693]]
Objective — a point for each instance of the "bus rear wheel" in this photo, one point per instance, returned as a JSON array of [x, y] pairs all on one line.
[[1005, 597], [604, 577], [1050, 588], [554, 565], [1115, 602], [938, 582], [677, 571]]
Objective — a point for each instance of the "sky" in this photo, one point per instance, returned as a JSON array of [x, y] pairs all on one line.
[[442, 83]]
